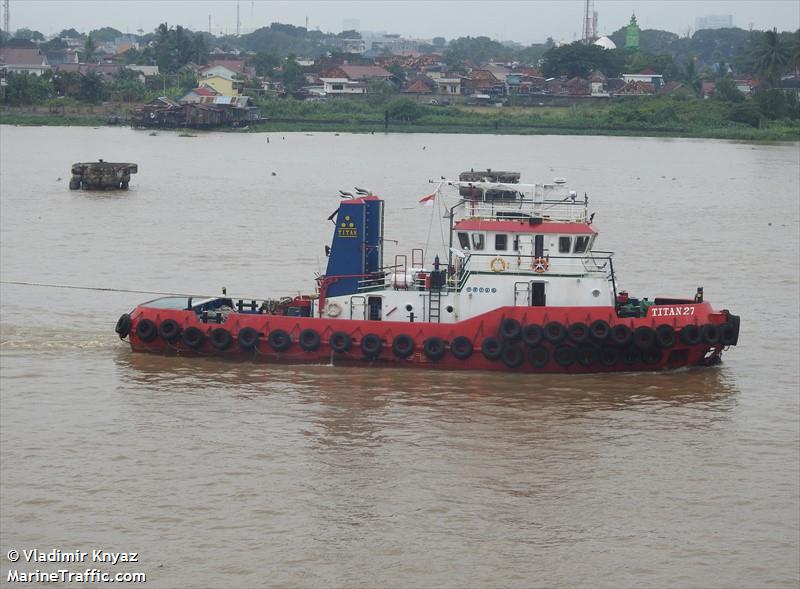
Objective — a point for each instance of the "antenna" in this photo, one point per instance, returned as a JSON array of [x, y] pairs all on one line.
[[589, 22], [6, 16], [209, 24], [238, 20]]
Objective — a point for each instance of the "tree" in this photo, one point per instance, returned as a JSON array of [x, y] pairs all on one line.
[[27, 89], [577, 59], [105, 34], [404, 110], [349, 34], [70, 34], [292, 77], [28, 35], [691, 78], [475, 49], [725, 89], [796, 52], [89, 49], [125, 86], [398, 74], [265, 63], [92, 89], [771, 58]]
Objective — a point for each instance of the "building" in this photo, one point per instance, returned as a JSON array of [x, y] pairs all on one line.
[[632, 34], [223, 85], [605, 43], [357, 73], [23, 60], [342, 86], [714, 21], [646, 76], [449, 86]]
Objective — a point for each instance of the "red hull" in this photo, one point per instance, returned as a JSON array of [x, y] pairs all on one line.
[[628, 358]]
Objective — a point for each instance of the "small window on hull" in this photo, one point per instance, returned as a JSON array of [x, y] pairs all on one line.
[[501, 242], [477, 241], [564, 244], [581, 244], [463, 240]]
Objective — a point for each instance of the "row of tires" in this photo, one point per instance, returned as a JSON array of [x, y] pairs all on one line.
[[586, 346], [601, 333]]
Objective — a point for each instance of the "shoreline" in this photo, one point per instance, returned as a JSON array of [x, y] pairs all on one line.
[[482, 127]]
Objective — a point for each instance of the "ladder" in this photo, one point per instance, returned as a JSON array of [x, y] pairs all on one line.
[[435, 305]]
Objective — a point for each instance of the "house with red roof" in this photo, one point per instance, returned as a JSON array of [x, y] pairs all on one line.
[[23, 60]]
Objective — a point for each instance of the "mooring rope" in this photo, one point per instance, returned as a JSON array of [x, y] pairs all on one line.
[[135, 291]]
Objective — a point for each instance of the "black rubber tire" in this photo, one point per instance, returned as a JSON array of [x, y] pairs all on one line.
[[512, 356], [248, 338], [461, 347], [644, 337], [123, 327], [609, 356], [727, 334], [554, 332], [578, 332], [710, 333], [691, 335], [586, 355], [538, 357], [221, 339], [309, 340], [621, 335], [532, 335], [434, 348], [371, 346], [510, 329], [733, 334], [146, 330], [403, 345], [491, 348], [665, 336], [600, 330], [652, 356], [564, 356], [169, 330], [279, 340], [193, 337], [340, 342], [632, 355]]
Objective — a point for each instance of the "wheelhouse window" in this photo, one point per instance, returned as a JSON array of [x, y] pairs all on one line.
[[564, 244], [501, 242], [463, 240], [477, 241], [581, 243]]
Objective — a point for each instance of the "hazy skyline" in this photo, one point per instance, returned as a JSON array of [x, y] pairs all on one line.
[[522, 21]]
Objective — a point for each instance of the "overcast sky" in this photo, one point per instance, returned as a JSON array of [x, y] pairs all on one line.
[[522, 21]]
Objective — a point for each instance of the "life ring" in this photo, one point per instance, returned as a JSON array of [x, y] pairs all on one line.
[[333, 309], [498, 265], [540, 265]]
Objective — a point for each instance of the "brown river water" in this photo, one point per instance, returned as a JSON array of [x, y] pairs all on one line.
[[223, 474]]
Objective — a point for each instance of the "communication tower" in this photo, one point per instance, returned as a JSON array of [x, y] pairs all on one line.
[[6, 16], [238, 20], [589, 22]]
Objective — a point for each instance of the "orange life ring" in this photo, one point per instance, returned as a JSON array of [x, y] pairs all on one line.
[[540, 265]]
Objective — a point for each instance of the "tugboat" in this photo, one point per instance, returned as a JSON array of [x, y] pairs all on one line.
[[522, 288]]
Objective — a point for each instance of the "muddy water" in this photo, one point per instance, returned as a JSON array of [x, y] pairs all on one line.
[[240, 475]]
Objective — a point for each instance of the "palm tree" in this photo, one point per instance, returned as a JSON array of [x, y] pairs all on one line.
[[771, 58], [796, 53], [692, 78]]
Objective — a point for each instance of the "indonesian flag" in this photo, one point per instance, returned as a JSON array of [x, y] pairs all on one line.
[[427, 201]]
